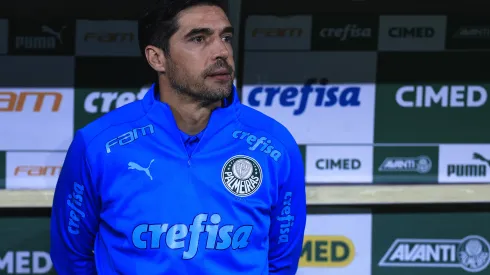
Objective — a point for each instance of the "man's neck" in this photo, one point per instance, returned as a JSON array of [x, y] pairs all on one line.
[[191, 117]]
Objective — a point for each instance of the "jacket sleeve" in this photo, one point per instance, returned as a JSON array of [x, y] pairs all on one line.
[[288, 219], [75, 214]]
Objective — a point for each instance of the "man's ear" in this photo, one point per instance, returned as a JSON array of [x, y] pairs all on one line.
[[156, 58]]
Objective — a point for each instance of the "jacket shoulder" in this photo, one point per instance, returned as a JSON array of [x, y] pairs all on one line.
[[259, 121], [130, 112]]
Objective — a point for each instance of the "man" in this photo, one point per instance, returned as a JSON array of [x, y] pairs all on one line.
[[187, 180]]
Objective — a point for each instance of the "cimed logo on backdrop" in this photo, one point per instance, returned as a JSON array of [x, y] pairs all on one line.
[[241, 175]]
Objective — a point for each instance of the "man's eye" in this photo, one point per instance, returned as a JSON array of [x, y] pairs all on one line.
[[228, 38], [198, 39]]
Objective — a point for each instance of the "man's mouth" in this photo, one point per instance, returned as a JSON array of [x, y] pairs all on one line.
[[220, 74]]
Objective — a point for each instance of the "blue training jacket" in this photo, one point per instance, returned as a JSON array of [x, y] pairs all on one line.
[[131, 200]]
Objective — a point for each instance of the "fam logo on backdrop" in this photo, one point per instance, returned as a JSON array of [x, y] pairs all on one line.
[[344, 33], [241, 175], [33, 170], [107, 38], [412, 33], [48, 112], [339, 164], [464, 163], [278, 33], [41, 37]]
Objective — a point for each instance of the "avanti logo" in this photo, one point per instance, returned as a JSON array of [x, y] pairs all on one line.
[[470, 253], [314, 92], [472, 32], [420, 164]]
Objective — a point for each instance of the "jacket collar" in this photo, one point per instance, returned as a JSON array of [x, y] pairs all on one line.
[[161, 114]]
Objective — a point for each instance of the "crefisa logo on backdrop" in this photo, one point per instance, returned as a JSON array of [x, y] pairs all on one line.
[[307, 110]]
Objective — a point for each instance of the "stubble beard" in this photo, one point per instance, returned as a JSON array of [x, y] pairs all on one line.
[[195, 88]]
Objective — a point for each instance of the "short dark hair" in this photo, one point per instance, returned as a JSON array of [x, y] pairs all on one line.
[[160, 21]]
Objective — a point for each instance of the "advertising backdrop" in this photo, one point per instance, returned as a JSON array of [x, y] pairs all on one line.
[[374, 98]]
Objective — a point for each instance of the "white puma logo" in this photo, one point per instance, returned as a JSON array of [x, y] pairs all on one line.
[[135, 166], [49, 30]]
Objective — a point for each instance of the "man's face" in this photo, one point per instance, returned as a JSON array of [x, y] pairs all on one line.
[[200, 64]]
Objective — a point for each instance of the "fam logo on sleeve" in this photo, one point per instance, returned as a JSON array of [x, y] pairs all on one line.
[[412, 33], [339, 164], [107, 38], [267, 32], [37, 37]]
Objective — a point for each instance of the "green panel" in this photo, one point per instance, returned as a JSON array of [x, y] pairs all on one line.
[[3, 170], [431, 244], [91, 104], [405, 164], [463, 119], [24, 246], [302, 149]]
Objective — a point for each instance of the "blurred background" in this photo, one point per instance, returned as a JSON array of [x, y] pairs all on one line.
[[396, 151]]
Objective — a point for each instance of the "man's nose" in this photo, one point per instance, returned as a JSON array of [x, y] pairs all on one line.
[[220, 49]]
